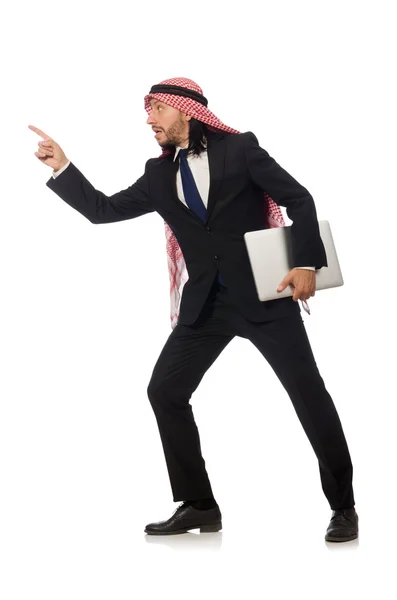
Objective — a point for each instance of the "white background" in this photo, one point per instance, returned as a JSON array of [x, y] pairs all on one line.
[[85, 308]]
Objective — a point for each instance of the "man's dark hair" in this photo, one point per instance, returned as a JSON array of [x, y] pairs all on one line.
[[197, 137]]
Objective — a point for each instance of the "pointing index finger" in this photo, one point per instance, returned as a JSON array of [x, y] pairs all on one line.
[[39, 132]]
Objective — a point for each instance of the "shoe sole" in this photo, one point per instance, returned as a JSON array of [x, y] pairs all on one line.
[[348, 538], [203, 529]]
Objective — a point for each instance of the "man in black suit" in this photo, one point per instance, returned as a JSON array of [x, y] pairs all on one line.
[[209, 186]]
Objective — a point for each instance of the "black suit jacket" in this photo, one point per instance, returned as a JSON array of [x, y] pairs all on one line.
[[240, 171]]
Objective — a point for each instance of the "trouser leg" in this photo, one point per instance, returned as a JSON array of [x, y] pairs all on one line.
[[185, 358], [286, 347]]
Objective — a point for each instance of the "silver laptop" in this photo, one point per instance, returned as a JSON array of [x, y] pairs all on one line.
[[270, 255]]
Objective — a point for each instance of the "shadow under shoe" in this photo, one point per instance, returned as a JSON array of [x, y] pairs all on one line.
[[343, 526], [186, 517]]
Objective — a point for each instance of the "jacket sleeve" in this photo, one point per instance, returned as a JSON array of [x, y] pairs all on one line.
[[75, 189], [307, 245]]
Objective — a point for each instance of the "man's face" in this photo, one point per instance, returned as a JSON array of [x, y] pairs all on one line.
[[172, 123]]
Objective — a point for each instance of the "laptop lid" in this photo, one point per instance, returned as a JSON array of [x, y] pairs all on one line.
[[270, 255]]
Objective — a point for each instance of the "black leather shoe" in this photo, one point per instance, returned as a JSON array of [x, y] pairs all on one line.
[[343, 526], [184, 518]]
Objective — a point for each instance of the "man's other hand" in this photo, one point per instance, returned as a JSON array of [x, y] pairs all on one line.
[[303, 282]]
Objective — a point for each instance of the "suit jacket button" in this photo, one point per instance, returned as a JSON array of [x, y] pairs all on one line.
[[216, 257], [208, 229]]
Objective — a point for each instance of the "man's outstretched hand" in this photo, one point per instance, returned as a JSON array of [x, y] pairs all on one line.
[[303, 282], [49, 152]]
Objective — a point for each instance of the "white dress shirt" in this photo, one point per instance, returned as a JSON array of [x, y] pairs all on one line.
[[200, 169]]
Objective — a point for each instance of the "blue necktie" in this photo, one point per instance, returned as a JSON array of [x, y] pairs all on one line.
[[191, 193], [192, 196]]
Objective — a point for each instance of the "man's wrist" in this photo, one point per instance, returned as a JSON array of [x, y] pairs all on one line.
[[63, 165], [61, 169]]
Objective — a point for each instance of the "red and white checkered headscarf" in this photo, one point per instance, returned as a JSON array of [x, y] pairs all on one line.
[[196, 108]]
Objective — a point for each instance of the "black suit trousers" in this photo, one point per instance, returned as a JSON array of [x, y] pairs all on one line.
[[190, 351]]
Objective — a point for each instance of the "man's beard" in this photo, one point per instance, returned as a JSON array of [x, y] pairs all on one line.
[[168, 146], [173, 135]]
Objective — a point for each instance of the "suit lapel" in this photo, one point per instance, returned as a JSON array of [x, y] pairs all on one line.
[[216, 162]]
